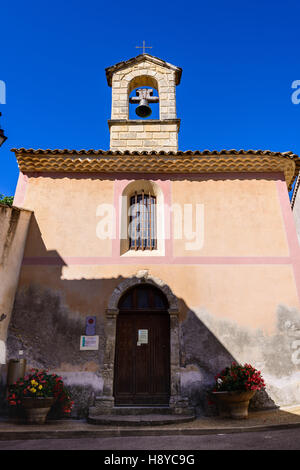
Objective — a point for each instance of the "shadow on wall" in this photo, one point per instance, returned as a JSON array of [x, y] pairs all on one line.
[[49, 317]]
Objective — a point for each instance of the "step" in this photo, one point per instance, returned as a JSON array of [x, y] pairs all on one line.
[[140, 419], [141, 410]]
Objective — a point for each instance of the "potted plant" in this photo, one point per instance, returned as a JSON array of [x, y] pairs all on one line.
[[37, 392], [234, 387]]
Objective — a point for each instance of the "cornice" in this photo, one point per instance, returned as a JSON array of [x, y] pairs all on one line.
[[206, 161]]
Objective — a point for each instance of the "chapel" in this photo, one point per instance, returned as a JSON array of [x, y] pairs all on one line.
[[146, 269]]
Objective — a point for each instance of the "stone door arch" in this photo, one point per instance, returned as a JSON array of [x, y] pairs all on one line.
[[176, 400]]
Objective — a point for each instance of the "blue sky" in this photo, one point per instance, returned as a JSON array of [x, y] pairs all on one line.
[[239, 60]]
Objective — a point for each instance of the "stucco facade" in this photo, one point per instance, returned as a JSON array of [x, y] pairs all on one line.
[[237, 291], [228, 263]]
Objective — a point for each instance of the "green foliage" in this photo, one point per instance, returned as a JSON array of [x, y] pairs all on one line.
[[7, 200]]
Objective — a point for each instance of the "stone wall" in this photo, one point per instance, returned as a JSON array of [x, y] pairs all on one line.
[[144, 74], [141, 134], [13, 230]]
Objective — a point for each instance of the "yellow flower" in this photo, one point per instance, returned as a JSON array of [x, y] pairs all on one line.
[[33, 390], [40, 387]]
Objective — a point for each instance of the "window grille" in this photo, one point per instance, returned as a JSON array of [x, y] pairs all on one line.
[[142, 222]]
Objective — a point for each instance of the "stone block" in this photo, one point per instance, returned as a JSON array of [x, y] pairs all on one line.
[[114, 135], [164, 89], [130, 75], [166, 143], [160, 135], [118, 143], [150, 143], [127, 135], [152, 127], [144, 135], [169, 127], [133, 143], [119, 128], [136, 127]]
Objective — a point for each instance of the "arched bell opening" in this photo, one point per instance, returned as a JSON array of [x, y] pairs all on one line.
[[143, 98]]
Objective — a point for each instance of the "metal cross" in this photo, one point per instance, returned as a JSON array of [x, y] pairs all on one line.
[[143, 47]]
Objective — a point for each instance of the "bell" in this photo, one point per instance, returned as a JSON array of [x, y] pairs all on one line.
[[144, 97], [143, 110]]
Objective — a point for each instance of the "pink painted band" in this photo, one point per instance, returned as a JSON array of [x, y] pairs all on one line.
[[102, 260], [20, 193], [290, 230]]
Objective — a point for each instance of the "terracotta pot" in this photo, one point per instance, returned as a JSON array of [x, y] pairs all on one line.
[[37, 409], [233, 404]]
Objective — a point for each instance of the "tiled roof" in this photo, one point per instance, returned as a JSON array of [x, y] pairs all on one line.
[[189, 161], [155, 152]]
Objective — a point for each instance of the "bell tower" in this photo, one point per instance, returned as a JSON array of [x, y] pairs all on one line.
[[143, 73]]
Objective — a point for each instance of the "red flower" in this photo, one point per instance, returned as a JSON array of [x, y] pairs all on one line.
[[238, 377]]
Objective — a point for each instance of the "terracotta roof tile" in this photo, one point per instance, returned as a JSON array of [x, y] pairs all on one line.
[[189, 161]]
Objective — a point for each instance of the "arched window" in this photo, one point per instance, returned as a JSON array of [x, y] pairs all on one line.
[[142, 221]]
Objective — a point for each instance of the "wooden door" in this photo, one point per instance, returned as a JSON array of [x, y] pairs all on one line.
[[142, 364]]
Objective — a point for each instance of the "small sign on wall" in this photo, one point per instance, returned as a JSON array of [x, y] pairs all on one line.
[[90, 326], [89, 343]]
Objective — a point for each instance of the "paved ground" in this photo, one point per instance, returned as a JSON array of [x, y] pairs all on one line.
[[276, 429], [257, 421], [288, 439]]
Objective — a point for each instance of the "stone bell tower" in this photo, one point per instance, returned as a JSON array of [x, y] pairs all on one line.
[[144, 134]]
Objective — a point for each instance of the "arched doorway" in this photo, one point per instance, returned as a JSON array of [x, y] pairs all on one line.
[[142, 356]]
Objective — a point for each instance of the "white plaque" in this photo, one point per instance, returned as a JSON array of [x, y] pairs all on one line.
[[89, 343], [142, 337]]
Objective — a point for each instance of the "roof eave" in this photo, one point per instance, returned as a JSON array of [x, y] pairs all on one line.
[[180, 162]]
